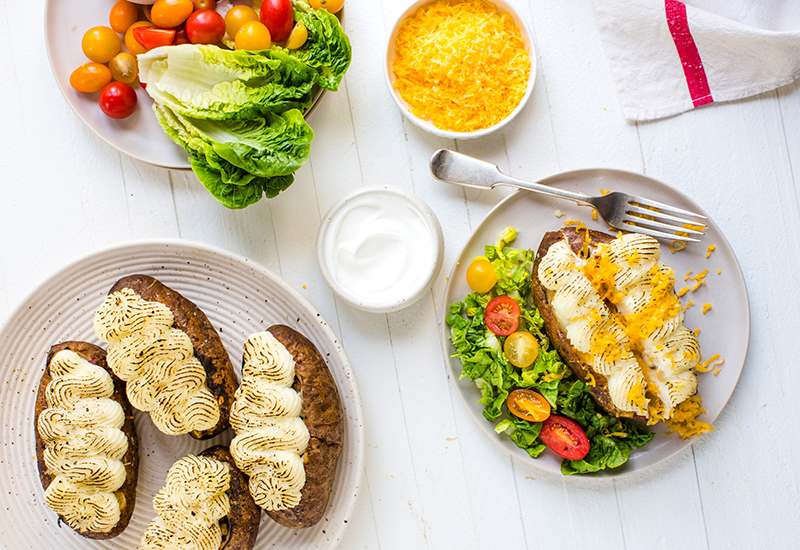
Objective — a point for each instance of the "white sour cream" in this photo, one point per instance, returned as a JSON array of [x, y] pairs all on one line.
[[379, 249]]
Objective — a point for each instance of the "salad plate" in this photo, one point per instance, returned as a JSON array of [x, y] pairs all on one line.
[[724, 328], [240, 297], [138, 136]]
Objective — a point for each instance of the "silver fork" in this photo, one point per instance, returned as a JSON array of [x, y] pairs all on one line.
[[619, 210]]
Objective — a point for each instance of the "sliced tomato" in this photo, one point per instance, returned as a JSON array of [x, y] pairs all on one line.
[[528, 405], [153, 37], [564, 437], [502, 315]]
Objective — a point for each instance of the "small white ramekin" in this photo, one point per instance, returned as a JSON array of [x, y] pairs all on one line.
[[527, 36], [426, 278]]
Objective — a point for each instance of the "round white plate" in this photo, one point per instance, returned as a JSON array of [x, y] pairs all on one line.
[[239, 297], [139, 135], [725, 329]]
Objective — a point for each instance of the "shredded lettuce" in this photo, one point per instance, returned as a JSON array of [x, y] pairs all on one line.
[[483, 362]]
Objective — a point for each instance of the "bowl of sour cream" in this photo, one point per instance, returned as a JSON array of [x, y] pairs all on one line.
[[380, 248]]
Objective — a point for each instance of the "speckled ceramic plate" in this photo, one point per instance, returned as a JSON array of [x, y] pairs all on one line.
[[139, 135], [533, 215], [239, 297]]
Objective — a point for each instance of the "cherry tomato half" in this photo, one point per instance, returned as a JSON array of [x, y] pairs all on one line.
[[100, 44], [278, 16], [205, 27], [237, 16], [253, 35], [123, 14], [332, 6], [130, 42], [528, 405], [117, 100], [153, 37], [170, 13], [564, 437], [90, 77], [521, 349], [481, 276], [502, 315], [298, 37]]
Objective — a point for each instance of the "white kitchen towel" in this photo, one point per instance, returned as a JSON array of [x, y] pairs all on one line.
[[667, 57]]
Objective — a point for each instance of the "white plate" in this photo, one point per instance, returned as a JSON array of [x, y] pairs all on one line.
[[139, 135], [239, 297], [725, 329]]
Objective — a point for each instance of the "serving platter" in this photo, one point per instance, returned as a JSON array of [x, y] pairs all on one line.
[[240, 297], [138, 136], [724, 329]]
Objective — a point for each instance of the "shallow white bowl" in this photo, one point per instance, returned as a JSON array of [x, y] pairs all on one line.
[[434, 231], [527, 37]]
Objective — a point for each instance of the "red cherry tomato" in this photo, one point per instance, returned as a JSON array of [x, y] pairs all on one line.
[[205, 27], [117, 100], [564, 437], [502, 315], [153, 37], [278, 16]]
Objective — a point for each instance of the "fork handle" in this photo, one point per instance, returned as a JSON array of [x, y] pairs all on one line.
[[453, 167]]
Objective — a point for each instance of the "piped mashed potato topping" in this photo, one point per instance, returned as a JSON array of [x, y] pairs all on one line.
[[81, 429], [157, 362], [642, 345], [461, 64], [271, 438], [190, 506]]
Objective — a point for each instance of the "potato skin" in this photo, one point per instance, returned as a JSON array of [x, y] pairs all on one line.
[[208, 348], [324, 417], [245, 516], [577, 240], [95, 355]]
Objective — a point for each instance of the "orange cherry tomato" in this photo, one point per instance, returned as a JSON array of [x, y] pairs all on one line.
[[253, 35], [123, 15], [237, 16], [564, 437], [124, 68], [101, 44], [90, 77], [332, 6], [521, 349], [528, 405], [130, 42], [205, 4], [171, 13], [502, 315], [481, 276]]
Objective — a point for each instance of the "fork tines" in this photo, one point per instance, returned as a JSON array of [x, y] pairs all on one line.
[[652, 217]]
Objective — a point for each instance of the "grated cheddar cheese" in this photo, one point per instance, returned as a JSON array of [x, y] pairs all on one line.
[[461, 64]]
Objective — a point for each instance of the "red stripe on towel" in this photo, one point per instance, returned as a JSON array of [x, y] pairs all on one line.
[[687, 50]]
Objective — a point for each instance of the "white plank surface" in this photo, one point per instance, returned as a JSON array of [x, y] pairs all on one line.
[[432, 479]]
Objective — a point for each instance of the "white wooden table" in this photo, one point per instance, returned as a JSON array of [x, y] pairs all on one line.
[[432, 479]]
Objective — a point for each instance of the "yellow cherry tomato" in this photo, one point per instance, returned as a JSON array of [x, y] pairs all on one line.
[[123, 15], [481, 276], [131, 43], [298, 37], [528, 405], [237, 16], [521, 349], [332, 6], [253, 35], [171, 13], [90, 77], [124, 68], [100, 44]]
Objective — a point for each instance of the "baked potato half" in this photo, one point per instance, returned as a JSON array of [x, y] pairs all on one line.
[[85, 436], [288, 419], [170, 356]]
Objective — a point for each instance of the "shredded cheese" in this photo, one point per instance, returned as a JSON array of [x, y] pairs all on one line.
[[461, 64], [711, 248], [676, 246], [706, 308]]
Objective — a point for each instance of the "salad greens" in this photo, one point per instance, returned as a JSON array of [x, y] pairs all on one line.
[[481, 353], [239, 113]]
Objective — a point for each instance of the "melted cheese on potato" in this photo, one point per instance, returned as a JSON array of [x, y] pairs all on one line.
[[193, 500], [81, 429], [157, 361], [271, 438]]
